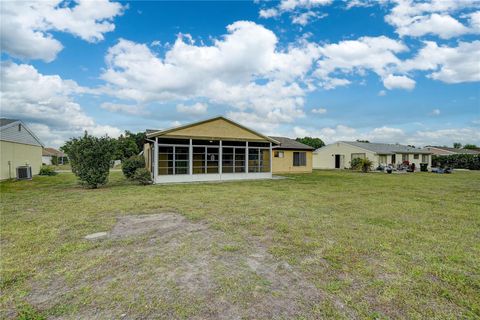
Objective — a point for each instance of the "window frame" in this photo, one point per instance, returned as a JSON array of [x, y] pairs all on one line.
[[299, 159]]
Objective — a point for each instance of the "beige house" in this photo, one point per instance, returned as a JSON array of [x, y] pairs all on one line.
[[338, 155], [19, 149], [220, 149], [291, 156]]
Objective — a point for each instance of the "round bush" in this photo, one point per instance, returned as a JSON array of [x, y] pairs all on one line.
[[130, 165], [142, 176], [47, 171]]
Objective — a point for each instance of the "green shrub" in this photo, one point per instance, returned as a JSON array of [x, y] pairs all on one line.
[[130, 166], [47, 171], [355, 163], [457, 161], [142, 176], [361, 164], [90, 158]]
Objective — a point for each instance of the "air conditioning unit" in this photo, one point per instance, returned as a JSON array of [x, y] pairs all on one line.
[[24, 173]]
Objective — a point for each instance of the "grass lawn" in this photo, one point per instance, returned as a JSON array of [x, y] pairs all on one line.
[[328, 244]]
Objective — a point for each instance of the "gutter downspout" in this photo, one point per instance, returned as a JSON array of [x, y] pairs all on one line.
[[155, 158]]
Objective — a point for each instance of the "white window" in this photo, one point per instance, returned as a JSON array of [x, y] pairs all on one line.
[[279, 154], [405, 157], [425, 158], [382, 158]]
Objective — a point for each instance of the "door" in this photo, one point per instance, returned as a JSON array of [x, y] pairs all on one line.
[[394, 159], [337, 161]]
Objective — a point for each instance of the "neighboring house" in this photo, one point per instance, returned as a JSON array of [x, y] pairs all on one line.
[[339, 155], [49, 154], [446, 151], [19, 146], [291, 156], [216, 149]]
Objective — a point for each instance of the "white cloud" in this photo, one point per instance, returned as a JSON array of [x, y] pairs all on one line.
[[123, 108], [386, 134], [304, 18], [269, 13], [382, 93], [244, 70], [435, 112], [398, 82], [27, 25], [46, 101], [474, 20], [331, 83], [376, 54], [290, 5], [195, 109], [447, 136], [319, 110], [302, 10], [429, 17], [449, 64]]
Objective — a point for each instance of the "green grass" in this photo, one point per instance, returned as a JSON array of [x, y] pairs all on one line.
[[383, 246]]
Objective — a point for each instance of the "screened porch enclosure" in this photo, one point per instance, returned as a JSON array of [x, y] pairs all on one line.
[[198, 160]]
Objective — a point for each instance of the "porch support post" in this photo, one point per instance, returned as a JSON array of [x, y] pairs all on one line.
[[155, 159], [271, 156], [220, 158], [246, 159], [190, 158]]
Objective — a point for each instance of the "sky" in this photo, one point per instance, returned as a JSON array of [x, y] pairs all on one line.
[[395, 71]]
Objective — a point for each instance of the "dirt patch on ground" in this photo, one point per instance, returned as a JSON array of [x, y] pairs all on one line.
[[164, 266]]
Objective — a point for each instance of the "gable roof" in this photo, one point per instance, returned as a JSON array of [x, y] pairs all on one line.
[[155, 133], [8, 135], [52, 152], [386, 148], [290, 144], [456, 150], [5, 121]]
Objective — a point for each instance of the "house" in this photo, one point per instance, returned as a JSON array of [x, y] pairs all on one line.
[[338, 155], [53, 156], [291, 156], [19, 146], [219, 149], [446, 151]]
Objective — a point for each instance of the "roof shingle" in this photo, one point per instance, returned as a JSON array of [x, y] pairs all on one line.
[[386, 148], [290, 144]]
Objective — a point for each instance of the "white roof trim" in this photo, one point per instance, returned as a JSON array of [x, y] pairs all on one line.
[[24, 126], [160, 132]]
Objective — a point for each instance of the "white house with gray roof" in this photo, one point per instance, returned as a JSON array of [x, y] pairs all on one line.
[[338, 155]]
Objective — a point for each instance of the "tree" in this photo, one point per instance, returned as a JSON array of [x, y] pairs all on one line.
[[139, 138], [470, 146], [457, 145], [125, 147], [312, 142], [90, 158]]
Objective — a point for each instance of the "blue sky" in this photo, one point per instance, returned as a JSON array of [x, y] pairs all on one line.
[[387, 71]]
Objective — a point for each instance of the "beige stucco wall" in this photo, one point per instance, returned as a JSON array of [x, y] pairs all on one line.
[[216, 129], [285, 164], [18, 154], [324, 158]]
